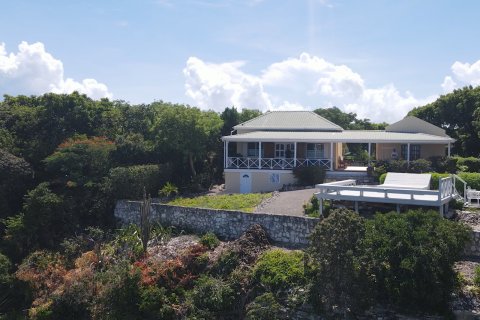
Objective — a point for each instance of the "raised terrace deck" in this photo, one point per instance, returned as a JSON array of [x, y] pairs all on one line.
[[347, 190]]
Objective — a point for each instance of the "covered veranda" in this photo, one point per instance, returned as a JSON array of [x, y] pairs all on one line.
[[285, 150]]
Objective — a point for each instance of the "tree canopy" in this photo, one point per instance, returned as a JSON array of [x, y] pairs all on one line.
[[348, 121], [459, 114]]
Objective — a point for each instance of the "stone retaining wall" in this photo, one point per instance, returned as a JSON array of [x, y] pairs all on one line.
[[286, 230]]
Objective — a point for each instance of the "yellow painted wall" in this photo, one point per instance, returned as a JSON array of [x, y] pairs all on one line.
[[260, 181], [384, 150], [432, 150]]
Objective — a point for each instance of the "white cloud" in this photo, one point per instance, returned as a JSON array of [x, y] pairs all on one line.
[[32, 70], [217, 86], [306, 82], [448, 84], [463, 74]]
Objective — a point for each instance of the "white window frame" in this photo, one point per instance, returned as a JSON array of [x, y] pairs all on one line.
[[252, 152], [281, 149], [318, 151]]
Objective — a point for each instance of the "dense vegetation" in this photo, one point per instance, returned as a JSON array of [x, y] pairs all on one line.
[[459, 114], [402, 261], [65, 159]]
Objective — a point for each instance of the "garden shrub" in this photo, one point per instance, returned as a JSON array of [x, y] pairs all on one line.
[[129, 182], [397, 166], [213, 295], [444, 164], [73, 303], [434, 181], [470, 164], [471, 178], [210, 240], [411, 257], [339, 281], [309, 176], [154, 303], [168, 190], [5, 266], [381, 179], [476, 278], [278, 270], [312, 208], [420, 166], [263, 307], [226, 263], [121, 295]]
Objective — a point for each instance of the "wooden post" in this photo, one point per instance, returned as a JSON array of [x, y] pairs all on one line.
[[408, 154], [295, 154], [226, 154], [259, 154], [331, 156], [369, 152]]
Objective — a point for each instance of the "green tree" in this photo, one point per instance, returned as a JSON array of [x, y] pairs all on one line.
[[348, 121], [411, 257], [16, 176], [81, 160], [459, 114], [187, 131], [42, 223], [339, 281]]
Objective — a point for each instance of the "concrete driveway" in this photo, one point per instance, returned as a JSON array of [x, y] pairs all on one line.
[[287, 203]]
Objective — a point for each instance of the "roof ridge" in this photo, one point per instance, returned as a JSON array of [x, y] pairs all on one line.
[[325, 119]]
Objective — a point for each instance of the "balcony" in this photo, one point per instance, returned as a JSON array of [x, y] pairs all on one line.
[[276, 163]]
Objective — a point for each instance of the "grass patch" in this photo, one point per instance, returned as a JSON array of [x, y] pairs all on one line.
[[241, 202]]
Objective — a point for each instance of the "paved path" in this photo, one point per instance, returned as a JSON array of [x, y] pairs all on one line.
[[288, 202]]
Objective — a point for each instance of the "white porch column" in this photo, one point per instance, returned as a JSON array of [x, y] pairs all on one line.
[[331, 156], [408, 153], [259, 154], [295, 154], [448, 149], [369, 153], [226, 154]]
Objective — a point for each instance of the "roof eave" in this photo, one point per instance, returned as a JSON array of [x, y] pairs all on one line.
[[235, 138]]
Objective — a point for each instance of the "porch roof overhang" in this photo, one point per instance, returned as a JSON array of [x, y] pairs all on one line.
[[346, 136]]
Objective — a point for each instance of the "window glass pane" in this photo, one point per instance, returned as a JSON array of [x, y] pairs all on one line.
[[252, 149]]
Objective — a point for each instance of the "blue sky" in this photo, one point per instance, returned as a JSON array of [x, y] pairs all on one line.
[[376, 58]]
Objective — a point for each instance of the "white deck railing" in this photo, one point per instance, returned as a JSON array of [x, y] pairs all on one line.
[[275, 163], [349, 191]]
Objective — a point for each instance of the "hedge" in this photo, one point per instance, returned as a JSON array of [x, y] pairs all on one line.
[[470, 164], [128, 182], [471, 178]]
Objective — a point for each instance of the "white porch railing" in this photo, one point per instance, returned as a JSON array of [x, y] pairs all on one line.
[[348, 190], [275, 163]]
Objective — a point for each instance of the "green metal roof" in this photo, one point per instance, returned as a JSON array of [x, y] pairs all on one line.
[[289, 121]]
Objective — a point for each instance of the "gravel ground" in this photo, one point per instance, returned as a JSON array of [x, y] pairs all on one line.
[[287, 202]]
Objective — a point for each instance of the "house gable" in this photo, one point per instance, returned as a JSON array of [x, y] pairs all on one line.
[[412, 124]]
